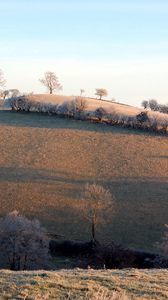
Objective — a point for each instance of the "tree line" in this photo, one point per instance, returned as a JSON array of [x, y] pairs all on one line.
[[153, 105], [51, 82], [78, 109]]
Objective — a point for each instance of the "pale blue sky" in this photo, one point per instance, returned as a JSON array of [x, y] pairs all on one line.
[[118, 45]]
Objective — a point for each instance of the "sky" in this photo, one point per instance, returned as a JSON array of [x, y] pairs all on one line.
[[119, 45]]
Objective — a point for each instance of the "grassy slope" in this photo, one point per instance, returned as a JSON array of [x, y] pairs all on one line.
[[93, 103], [46, 161], [144, 284]]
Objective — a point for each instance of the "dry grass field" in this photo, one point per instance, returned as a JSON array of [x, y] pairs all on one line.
[[46, 161], [74, 285], [92, 103]]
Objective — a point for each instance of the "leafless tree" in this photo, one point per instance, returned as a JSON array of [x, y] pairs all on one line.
[[5, 94], [67, 109], [51, 81], [14, 92], [101, 93], [23, 242], [2, 80], [145, 104], [73, 108], [80, 105], [96, 202], [100, 112], [11, 93], [153, 104], [82, 91]]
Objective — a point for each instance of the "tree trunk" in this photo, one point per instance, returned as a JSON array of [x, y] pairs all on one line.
[[93, 231]]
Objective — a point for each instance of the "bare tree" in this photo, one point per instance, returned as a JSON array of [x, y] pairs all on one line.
[[51, 81], [145, 104], [73, 108], [97, 201], [100, 112], [14, 92], [153, 104], [101, 93], [2, 80], [82, 91], [23, 242], [11, 93], [80, 105], [5, 94]]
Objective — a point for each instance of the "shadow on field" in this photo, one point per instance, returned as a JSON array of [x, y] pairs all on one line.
[[140, 204], [37, 120], [15, 174]]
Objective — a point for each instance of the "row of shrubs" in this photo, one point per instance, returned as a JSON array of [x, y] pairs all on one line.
[[155, 106], [77, 109], [109, 256], [25, 244]]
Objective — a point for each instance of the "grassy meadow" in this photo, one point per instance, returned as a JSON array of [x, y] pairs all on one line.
[[45, 163], [74, 285]]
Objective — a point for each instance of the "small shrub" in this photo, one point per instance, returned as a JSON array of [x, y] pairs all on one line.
[[142, 117], [80, 106], [100, 113], [23, 242]]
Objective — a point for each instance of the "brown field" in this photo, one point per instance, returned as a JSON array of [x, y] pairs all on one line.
[[42, 285], [46, 161]]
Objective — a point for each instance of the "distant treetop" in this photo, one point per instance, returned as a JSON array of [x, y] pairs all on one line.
[[51, 81]]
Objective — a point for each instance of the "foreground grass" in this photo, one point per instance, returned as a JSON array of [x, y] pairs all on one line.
[[136, 284], [45, 163]]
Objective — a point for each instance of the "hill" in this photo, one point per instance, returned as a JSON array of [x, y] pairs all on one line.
[[46, 161], [42, 285], [93, 103]]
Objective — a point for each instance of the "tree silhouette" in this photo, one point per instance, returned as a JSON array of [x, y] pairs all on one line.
[[96, 202], [51, 81], [101, 93]]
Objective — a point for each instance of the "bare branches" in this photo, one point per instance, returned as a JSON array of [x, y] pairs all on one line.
[[101, 92], [2, 80], [23, 242], [51, 81], [97, 200]]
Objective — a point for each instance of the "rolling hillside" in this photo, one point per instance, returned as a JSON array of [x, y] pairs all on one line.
[[46, 161], [93, 103]]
